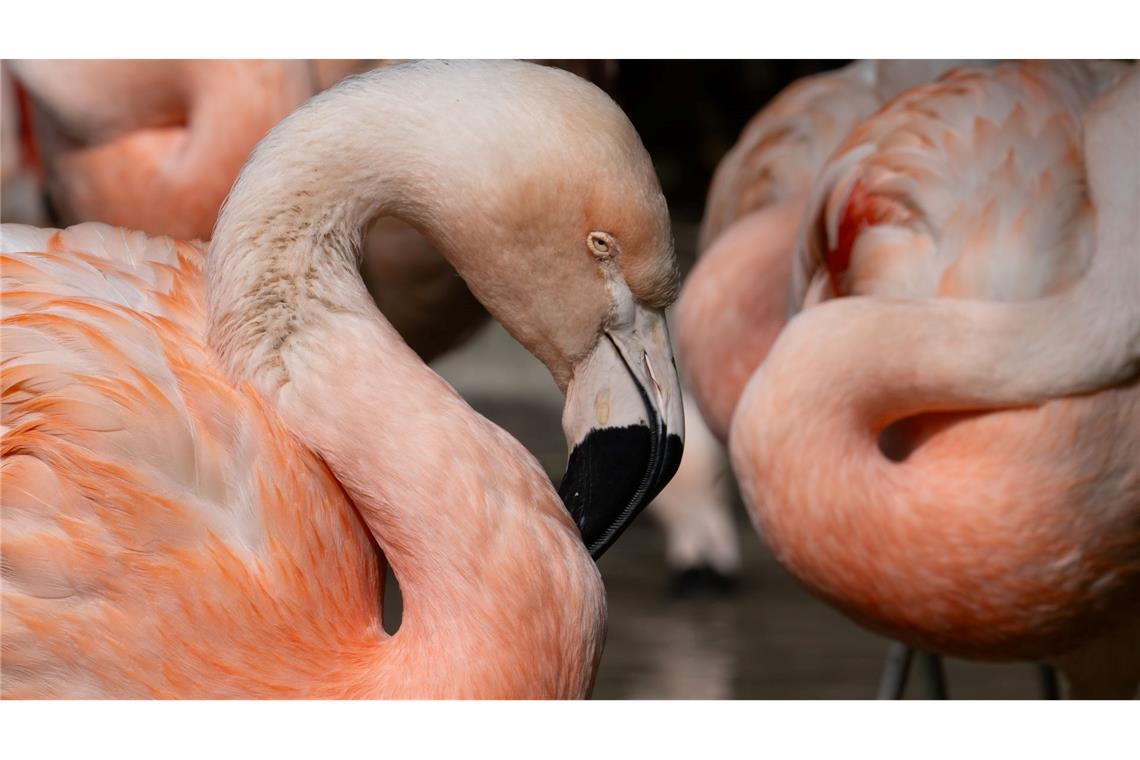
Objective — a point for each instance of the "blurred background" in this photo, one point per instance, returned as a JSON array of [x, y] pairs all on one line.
[[733, 626]]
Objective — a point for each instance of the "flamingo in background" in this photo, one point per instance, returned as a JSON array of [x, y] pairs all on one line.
[[152, 145], [952, 458], [199, 451]]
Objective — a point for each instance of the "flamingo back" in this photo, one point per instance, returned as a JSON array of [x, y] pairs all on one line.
[[968, 187], [782, 146], [781, 149]]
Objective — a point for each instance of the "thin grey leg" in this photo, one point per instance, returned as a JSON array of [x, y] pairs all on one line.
[[933, 675], [892, 682], [1047, 677]]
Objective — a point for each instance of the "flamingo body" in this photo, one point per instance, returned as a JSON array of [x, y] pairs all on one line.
[[969, 187], [153, 145]]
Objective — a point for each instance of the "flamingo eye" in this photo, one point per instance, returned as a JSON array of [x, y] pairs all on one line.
[[601, 244]]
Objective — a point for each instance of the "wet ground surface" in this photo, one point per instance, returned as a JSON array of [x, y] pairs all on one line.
[[769, 639]]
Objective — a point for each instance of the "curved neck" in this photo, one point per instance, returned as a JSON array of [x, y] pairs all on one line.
[[493, 574], [974, 514], [284, 253]]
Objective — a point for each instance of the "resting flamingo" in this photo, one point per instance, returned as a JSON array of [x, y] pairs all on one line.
[[952, 456], [202, 451]]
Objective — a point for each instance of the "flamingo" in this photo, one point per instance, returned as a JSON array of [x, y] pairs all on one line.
[[949, 452], [204, 449]]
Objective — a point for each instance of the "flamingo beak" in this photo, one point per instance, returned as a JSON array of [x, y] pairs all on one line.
[[624, 426]]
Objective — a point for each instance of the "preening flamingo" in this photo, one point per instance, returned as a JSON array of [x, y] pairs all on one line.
[[734, 302], [989, 221], [201, 448]]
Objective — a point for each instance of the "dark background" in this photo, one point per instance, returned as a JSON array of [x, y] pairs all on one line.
[[689, 113]]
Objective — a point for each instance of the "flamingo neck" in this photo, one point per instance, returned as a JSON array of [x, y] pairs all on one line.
[[500, 597]]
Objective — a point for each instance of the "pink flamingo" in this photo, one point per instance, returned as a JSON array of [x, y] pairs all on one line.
[[951, 456], [203, 450]]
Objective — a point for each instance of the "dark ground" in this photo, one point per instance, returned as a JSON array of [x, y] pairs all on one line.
[[769, 640]]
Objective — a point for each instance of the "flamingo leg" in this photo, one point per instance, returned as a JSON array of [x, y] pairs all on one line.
[[933, 674], [896, 669], [1047, 677]]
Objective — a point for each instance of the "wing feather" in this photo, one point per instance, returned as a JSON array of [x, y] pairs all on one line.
[[162, 533]]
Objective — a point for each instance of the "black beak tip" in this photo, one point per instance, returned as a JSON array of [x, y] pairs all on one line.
[[613, 474], [674, 448]]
